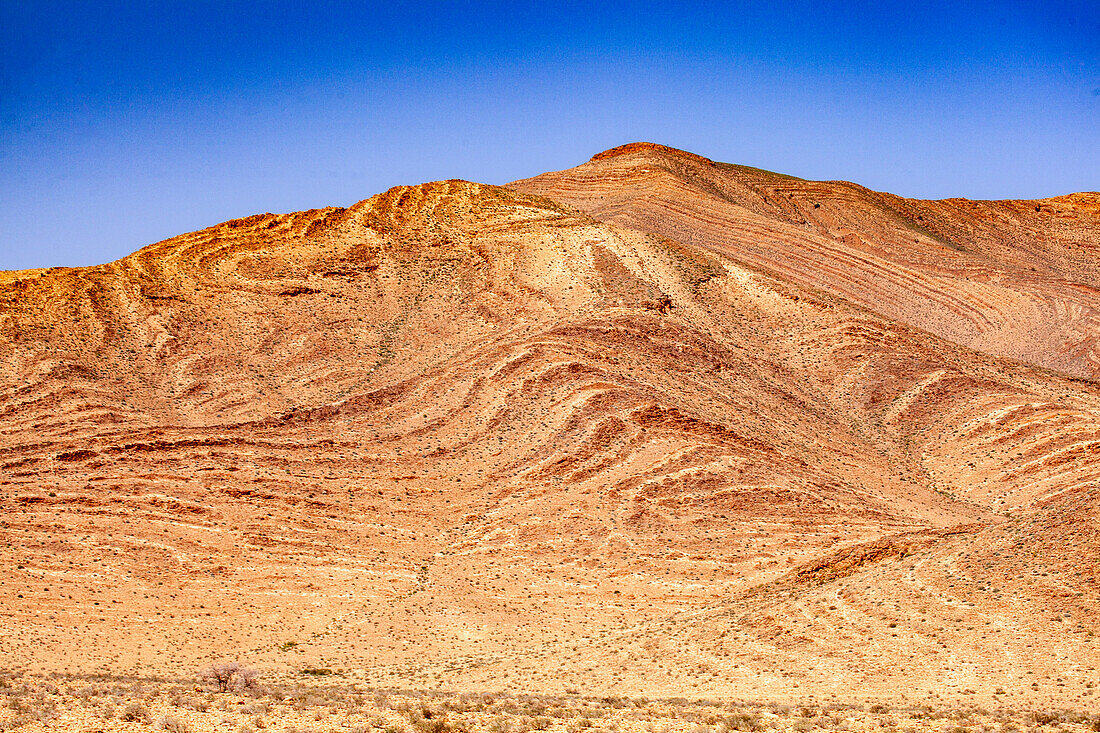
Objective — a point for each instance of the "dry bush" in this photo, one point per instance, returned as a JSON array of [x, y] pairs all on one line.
[[135, 712], [87, 692], [1042, 717], [434, 725], [30, 713], [246, 680], [229, 676], [172, 725], [740, 721], [219, 675], [190, 703]]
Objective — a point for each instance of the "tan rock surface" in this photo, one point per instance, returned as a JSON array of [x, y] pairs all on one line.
[[461, 436], [1010, 278]]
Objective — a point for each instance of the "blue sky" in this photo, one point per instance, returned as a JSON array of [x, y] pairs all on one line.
[[122, 123]]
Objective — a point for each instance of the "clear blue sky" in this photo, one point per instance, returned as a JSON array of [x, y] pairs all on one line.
[[122, 123]]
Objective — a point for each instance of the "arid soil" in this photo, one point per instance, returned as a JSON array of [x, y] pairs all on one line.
[[716, 433], [319, 705]]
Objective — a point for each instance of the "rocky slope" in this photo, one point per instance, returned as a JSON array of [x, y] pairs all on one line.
[[1011, 278], [465, 436]]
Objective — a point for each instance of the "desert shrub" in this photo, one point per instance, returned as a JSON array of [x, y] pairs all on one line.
[[1044, 718], [246, 680], [135, 712], [172, 725], [740, 721], [31, 709], [227, 676], [86, 692], [190, 703], [303, 699], [434, 725], [219, 675]]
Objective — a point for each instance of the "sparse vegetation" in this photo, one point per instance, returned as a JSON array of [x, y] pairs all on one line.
[[318, 672], [172, 725], [134, 712], [120, 704], [226, 676]]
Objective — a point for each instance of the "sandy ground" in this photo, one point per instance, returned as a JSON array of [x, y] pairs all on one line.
[[127, 704]]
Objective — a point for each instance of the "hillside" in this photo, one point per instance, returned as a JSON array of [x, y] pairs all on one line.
[[1019, 279], [472, 437]]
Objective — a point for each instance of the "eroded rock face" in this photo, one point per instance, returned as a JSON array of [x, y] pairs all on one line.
[[463, 435]]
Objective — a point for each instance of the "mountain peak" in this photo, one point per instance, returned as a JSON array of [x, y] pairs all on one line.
[[645, 147]]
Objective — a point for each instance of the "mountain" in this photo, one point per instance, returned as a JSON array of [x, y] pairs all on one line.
[[632, 428]]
